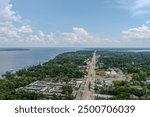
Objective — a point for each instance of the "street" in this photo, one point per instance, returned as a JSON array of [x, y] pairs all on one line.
[[88, 90]]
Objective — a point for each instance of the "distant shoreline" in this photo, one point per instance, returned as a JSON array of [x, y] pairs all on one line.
[[16, 58], [121, 49], [14, 49]]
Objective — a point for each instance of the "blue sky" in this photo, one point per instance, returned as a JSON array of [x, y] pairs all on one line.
[[74, 23]]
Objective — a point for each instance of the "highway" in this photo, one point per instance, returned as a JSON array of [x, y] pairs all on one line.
[[88, 89]]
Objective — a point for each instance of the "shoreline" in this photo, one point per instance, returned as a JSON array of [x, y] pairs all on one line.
[[38, 62]]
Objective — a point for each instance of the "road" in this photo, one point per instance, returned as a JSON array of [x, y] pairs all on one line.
[[88, 90]]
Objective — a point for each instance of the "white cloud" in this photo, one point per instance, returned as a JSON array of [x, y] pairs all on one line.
[[142, 32], [41, 38], [139, 4], [10, 32], [7, 30], [50, 37], [137, 7], [6, 12], [147, 22], [81, 37], [25, 29], [77, 36], [141, 7]]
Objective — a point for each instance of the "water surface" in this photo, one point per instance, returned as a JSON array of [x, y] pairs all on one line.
[[17, 58]]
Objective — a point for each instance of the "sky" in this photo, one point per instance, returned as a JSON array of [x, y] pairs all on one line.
[[75, 23]]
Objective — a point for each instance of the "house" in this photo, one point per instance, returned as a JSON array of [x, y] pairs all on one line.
[[77, 86], [74, 93], [79, 80], [103, 96]]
